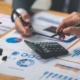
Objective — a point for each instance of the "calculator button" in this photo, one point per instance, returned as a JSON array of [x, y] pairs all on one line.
[[40, 45], [47, 51], [55, 50], [35, 43], [43, 47], [50, 48]]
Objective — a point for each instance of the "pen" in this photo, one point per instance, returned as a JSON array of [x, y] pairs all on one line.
[[61, 32], [23, 22]]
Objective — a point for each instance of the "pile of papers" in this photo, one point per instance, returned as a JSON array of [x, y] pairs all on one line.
[[23, 62]]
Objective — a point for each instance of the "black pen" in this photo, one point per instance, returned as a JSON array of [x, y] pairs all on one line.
[[61, 32], [23, 22]]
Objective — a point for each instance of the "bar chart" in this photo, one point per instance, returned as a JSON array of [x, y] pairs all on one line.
[[48, 75], [76, 53]]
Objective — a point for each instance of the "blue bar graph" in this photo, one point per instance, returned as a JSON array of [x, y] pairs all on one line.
[[50, 74], [55, 75], [60, 77], [47, 75], [65, 78], [76, 53]]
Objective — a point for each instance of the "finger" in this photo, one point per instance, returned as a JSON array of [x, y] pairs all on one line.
[[68, 34], [23, 30], [26, 18], [28, 31], [19, 26], [61, 36], [73, 18], [71, 15], [72, 30], [65, 24]]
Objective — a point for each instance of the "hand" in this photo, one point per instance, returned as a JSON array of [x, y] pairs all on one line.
[[67, 25], [23, 30]]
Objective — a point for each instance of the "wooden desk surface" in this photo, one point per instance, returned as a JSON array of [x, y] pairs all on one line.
[[6, 9]]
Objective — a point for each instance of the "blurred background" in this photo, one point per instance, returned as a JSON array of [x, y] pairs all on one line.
[[58, 5]]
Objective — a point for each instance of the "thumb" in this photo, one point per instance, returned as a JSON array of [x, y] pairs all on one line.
[[71, 30], [26, 17]]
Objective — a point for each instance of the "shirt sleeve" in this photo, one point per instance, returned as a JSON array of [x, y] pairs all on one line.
[[25, 4], [20, 11]]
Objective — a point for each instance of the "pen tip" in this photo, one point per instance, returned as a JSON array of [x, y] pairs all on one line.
[[52, 36]]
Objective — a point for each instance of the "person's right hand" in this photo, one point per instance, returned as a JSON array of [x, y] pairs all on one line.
[[22, 29], [67, 25]]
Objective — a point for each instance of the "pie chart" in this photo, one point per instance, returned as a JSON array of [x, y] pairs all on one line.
[[25, 62], [13, 40]]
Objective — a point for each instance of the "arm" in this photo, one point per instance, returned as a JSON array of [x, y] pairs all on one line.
[[25, 4], [21, 7]]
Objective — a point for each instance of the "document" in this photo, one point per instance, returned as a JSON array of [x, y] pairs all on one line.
[[59, 70], [45, 23], [15, 41], [22, 63], [74, 54], [5, 23]]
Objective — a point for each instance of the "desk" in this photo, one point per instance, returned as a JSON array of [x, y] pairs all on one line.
[[3, 9]]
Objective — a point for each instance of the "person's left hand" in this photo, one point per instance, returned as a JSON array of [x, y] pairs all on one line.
[[20, 27], [67, 25]]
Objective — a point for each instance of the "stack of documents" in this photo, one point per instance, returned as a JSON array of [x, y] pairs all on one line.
[[23, 62]]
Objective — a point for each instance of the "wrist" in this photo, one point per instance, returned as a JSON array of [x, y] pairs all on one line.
[[20, 11]]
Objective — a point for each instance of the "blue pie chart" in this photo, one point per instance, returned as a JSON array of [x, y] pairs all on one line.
[[13, 40], [25, 62]]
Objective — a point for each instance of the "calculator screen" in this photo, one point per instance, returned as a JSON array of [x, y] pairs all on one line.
[[51, 29]]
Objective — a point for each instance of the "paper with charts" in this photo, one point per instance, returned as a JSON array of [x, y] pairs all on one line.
[[59, 70], [74, 54], [46, 24], [5, 52], [5, 23], [43, 20], [15, 40], [22, 63]]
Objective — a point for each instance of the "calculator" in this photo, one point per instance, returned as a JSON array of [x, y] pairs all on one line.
[[47, 49]]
